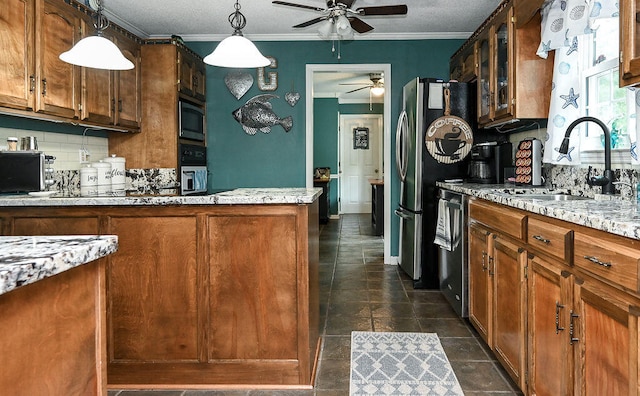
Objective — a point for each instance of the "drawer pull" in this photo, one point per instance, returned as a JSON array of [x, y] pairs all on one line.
[[596, 261], [541, 239], [558, 307]]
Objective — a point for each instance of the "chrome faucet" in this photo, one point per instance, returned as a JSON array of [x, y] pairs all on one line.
[[607, 179]]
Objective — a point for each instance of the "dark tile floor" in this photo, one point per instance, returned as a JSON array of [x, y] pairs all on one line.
[[359, 292]]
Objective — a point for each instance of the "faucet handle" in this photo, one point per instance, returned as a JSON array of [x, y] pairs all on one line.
[[596, 180]]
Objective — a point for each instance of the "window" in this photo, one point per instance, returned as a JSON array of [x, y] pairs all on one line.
[[603, 98]]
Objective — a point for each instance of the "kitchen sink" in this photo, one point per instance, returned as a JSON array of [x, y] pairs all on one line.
[[551, 197]]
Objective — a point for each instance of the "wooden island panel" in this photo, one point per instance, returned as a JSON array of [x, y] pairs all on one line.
[[53, 330], [202, 296]]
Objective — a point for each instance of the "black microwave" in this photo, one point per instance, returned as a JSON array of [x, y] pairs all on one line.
[[191, 121]]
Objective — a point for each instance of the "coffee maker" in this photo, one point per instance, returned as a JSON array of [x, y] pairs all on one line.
[[488, 161]]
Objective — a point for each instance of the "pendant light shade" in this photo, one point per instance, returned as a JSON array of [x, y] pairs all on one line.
[[236, 50], [97, 51]]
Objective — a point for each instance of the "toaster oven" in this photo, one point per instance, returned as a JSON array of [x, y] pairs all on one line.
[[25, 171]]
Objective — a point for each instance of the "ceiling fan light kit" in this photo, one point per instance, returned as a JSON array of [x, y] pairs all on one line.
[[237, 50], [97, 51]]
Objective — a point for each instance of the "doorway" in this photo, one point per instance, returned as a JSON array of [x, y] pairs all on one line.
[[386, 134], [360, 159]]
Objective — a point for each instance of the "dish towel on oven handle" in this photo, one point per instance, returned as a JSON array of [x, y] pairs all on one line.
[[200, 180], [443, 227]]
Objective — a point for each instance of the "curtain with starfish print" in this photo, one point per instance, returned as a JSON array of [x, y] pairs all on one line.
[[565, 24]]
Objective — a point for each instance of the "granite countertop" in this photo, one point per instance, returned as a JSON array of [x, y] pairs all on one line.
[[239, 196], [28, 259], [606, 213]]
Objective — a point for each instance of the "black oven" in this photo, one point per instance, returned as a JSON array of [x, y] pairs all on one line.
[[193, 169], [191, 121]]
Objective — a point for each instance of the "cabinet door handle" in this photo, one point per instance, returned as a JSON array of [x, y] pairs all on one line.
[[541, 239], [119, 105], [595, 260], [572, 316], [32, 80], [44, 87], [491, 264], [637, 17], [558, 308], [484, 264]]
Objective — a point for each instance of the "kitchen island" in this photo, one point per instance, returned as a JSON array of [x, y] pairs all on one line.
[[52, 326], [217, 291]]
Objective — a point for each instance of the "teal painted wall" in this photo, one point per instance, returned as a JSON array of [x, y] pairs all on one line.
[[278, 159]]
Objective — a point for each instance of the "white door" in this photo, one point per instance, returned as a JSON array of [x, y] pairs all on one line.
[[360, 160]]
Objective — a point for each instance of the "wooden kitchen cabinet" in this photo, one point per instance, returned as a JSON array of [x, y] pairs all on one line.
[[509, 306], [629, 43], [113, 98], [513, 82], [480, 281], [35, 33], [215, 296], [156, 146], [463, 63], [17, 64], [549, 302], [497, 294], [191, 75], [605, 338], [58, 29]]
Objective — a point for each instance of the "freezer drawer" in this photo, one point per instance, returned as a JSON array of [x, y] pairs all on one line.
[[410, 242]]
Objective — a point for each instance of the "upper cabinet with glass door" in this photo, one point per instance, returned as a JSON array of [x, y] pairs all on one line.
[[513, 82], [629, 42]]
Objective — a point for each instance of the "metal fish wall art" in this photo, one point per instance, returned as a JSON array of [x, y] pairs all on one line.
[[257, 115]]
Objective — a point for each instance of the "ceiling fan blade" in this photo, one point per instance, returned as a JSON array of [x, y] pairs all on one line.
[[359, 89], [400, 9], [359, 25], [311, 22], [284, 3]]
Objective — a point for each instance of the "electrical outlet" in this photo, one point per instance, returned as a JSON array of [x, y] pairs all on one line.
[[84, 155]]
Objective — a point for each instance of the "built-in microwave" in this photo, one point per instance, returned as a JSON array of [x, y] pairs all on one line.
[[191, 121]]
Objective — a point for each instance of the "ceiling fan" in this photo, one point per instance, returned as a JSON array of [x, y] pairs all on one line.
[[340, 14], [376, 87]]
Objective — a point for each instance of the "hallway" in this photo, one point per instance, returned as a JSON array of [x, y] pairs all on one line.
[[359, 292]]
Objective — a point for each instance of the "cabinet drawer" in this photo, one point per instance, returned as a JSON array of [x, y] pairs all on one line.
[[550, 238], [501, 218], [607, 259]]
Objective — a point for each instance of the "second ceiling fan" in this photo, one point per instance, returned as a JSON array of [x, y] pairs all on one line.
[[345, 18]]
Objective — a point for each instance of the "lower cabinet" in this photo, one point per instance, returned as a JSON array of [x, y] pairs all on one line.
[[561, 322], [219, 295], [509, 307], [550, 351]]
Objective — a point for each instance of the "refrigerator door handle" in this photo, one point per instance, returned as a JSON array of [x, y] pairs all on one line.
[[402, 214], [401, 145]]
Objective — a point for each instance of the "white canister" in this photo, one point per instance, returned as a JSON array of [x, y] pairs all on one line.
[[118, 174], [104, 177], [88, 181]]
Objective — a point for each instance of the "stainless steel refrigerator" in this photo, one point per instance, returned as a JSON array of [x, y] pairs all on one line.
[[418, 170]]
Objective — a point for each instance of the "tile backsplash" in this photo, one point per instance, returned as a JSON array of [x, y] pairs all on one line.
[[65, 147]]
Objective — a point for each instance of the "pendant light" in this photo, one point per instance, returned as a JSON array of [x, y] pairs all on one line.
[[97, 51], [236, 50]]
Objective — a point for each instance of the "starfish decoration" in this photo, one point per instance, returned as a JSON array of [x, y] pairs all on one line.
[[634, 155], [570, 100], [546, 47], [573, 47], [567, 155]]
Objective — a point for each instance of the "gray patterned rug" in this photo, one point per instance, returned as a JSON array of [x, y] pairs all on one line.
[[400, 364]]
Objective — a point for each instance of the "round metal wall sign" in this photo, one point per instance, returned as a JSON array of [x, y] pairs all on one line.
[[449, 138]]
